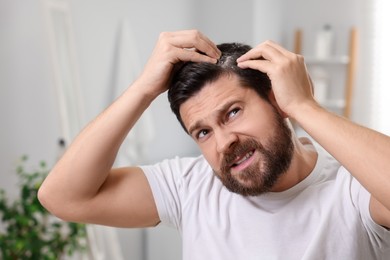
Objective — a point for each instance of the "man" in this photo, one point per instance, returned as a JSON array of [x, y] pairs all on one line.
[[257, 191]]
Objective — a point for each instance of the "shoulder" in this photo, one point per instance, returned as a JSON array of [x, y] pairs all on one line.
[[327, 166], [179, 171], [174, 182], [180, 166]]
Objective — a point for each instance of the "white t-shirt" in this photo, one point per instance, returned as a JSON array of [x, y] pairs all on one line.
[[325, 216]]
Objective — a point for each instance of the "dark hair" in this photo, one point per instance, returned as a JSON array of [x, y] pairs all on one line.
[[191, 77]]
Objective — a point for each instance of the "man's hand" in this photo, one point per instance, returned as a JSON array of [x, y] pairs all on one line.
[[172, 48], [82, 186], [345, 140], [287, 72]]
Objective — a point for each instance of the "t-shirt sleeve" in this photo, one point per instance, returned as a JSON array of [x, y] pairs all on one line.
[[379, 236], [169, 181], [164, 180]]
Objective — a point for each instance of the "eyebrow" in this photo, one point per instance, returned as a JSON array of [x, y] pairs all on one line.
[[219, 111]]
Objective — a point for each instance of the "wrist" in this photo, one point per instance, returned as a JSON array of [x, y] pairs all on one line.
[[144, 91], [305, 110]]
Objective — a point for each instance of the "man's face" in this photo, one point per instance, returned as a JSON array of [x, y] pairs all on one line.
[[242, 136]]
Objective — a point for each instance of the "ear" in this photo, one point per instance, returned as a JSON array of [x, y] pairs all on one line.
[[272, 100]]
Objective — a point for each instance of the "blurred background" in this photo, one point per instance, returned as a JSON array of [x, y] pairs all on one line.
[[63, 61]]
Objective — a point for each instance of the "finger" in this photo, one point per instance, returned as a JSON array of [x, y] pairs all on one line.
[[266, 50], [204, 44], [260, 65], [278, 47], [252, 54], [185, 55], [195, 39]]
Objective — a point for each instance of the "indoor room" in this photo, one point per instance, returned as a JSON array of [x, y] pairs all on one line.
[[64, 61]]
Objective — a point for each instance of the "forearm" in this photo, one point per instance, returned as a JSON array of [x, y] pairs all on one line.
[[86, 164], [82, 183], [363, 152]]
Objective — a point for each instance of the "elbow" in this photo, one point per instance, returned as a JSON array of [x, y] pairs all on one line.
[[52, 205], [46, 200]]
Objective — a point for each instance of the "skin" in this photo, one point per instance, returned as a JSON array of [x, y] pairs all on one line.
[[223, 113], [362, 151], [83, 186]]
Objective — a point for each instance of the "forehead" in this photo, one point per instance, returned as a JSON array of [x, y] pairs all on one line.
[[213, 97]]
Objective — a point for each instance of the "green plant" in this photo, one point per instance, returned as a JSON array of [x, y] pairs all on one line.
[[28, 230]]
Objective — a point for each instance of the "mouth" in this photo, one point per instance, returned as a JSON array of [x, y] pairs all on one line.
[[243, 161]]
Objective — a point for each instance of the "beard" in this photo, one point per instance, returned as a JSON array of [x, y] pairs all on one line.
[[259, 177]]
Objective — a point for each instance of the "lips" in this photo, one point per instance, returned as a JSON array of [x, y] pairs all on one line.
[[242, 159], [240, 156]]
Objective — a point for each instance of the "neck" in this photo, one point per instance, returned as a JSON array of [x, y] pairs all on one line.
[[302, 164]]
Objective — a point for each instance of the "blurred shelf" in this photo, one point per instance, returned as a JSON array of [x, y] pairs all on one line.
[[342, 60], [343, 103]]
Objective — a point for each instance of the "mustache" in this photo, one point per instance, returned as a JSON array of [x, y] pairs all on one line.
[[239, 149]]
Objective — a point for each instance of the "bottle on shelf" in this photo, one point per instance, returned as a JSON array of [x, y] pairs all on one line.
[[324, 42]]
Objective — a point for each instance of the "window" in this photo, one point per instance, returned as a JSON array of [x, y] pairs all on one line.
[[380, 53]]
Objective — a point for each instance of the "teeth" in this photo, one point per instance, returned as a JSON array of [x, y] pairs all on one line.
[[244, 158]]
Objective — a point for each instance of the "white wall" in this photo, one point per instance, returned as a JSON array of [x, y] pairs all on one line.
[[96, 28], [268, 21], [28, 110]]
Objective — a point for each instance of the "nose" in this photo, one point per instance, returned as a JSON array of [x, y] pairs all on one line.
[[224, 140]]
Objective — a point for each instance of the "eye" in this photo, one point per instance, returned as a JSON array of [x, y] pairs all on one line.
[[201, 134], [232, 113]]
